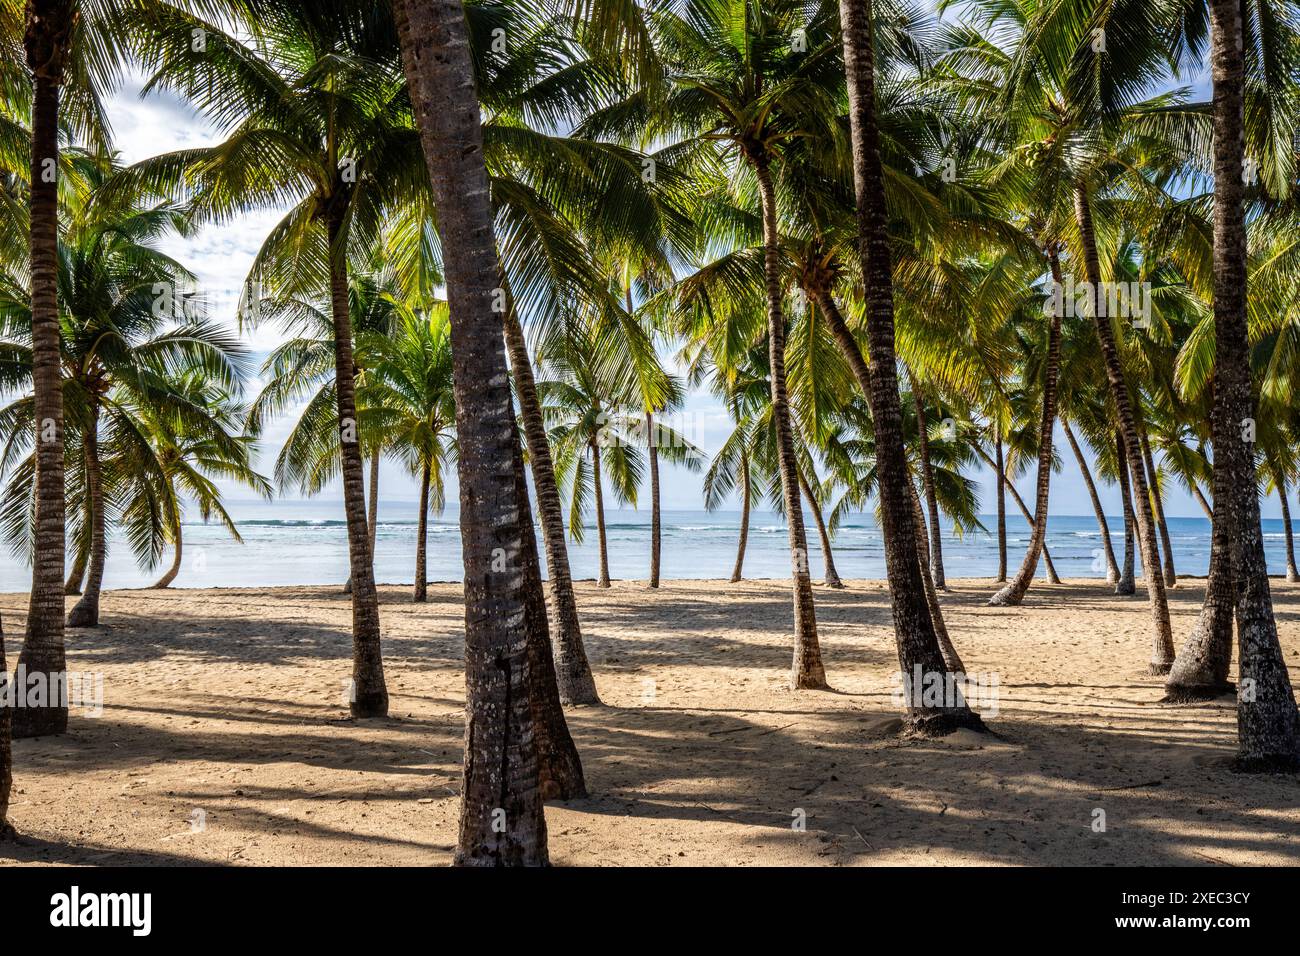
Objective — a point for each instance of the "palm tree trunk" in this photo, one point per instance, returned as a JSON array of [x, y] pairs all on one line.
[[421, 540], [951, 659], [1157, 499], [1268, 723], [653, 445], [369, 694], [1200, 500], [603, 581], [1126, 584], [501, 817], [1200, 671], [78, 572], [1000, 468], [559, 768], [1162, 640], [744, 517], [1014, 592], [918, 645], [6, 749], [1291, 573], [47, 41], [372, 513], [372, 509], [178, 546], [832, 579], [85, 613], [807, 670], [1052, 576], [1112, 568], [573, 671], [927, 482]]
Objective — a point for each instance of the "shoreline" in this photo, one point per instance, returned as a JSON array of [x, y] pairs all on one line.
[[664, 582]]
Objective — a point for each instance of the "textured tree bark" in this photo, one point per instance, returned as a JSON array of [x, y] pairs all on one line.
[[559, 769], [85, 613], [372, 513], [653, 446], [6, 750], [77, 574], [807, 670], [744, 518], [918, 645], [1200, 500], [501, 819], [46, 40], [951, 659], [1112, 568], [1201, 669], [1126, 584], [372, 509], [1000, 469], [1166, 548], [573, 672], [369, 694], [600, 514], [421, 540], [1268, 723], [1291, 573], [931, 500], [177, 552], [1162, 640], [832, 579], [1014, 592]]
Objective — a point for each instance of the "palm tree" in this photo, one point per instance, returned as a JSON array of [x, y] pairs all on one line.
[[914, 631], [749, 79], [122, 355], [504, 777], [47, 41], [316, 114], [188, 460], [409, 398], [1014, 592], [299, 373], [593, 435], [1268, 723]]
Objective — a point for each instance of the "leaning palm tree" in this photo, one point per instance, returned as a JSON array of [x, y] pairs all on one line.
[[409, 400]]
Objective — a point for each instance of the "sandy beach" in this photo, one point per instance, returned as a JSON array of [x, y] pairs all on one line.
[[224, 737]]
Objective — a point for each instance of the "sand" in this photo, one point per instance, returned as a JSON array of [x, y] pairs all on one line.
[[225, 737]]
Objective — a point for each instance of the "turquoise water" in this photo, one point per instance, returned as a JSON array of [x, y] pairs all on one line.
[[305, 542]]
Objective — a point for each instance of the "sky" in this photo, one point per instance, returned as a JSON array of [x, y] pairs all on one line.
[[221, 255]]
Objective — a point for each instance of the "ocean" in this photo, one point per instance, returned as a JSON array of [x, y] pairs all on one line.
[[305, 542]]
